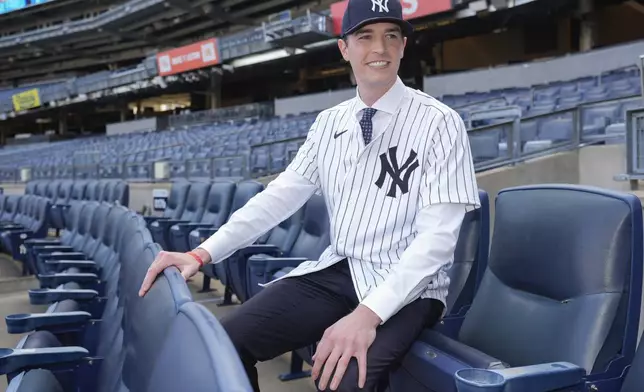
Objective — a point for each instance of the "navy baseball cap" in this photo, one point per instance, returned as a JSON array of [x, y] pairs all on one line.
[[363, 12]]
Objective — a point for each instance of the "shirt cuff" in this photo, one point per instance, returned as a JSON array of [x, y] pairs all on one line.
[[383, 302]]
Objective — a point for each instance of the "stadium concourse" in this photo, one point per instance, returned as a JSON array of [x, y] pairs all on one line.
[[134, 126]]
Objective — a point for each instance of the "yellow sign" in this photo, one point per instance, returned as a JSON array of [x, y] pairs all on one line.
[[26, 100]]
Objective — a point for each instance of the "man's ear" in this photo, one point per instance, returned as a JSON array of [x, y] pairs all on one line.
[[402, 51], [343, 46]]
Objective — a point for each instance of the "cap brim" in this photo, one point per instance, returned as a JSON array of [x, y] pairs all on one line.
[[407, 28]]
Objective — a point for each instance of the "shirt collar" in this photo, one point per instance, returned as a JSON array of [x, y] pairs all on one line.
[[388, 103]]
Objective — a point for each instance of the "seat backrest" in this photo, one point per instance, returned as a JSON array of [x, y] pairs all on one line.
[[30, 189], [314, 237], [93, 190], [108, 189], [148, 319], [177, 199], [84, 223], [245, 191], [41, 188], [64, 192], [52, 190], [106, 246], [564, 278], [78, 190], [284, 235], [71, 223], [470, 256], [97, 228], [40, 380], [195, 202], [219, 203], [197, 352], [121, 193]]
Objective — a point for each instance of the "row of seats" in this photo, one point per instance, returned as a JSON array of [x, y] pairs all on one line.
[[22, 218], [97, 334], [64, 193], [541, 309], [194, 211]]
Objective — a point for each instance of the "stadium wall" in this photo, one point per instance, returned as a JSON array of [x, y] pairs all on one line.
[[528, 74]]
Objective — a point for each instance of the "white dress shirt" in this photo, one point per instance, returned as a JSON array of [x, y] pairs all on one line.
[[398, 234]]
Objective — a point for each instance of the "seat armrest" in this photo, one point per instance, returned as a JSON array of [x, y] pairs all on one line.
[[49, 296], [460, 351], [61, 205], [12, 360], [534, 378], [14, 229], [166, 223], [150, 219], [54, 280], [41, 241], [61, 265], [52, 248], [192, 226], [206, 232], [267, 249], [262, 266], [62, 256], [25, 322]]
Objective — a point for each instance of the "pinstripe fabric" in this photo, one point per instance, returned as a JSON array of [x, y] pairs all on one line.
[[421, 157]]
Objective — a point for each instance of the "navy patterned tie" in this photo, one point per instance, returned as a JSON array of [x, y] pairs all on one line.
[[367, 125]]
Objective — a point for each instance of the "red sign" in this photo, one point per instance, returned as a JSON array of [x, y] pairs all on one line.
[[412, 9], [189, 57]]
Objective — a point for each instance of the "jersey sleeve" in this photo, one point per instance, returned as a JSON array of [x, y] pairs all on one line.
[[305, 162], [450, 176]]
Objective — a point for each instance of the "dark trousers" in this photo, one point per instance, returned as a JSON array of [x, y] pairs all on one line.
[[294, 313]]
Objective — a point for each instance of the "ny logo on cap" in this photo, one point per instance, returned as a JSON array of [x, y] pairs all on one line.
[[383, 5]]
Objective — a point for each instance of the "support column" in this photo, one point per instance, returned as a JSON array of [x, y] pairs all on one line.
[[62, 122], [214, 92], [588, 33]]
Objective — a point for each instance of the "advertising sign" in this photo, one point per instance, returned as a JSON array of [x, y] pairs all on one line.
[[187, 58]]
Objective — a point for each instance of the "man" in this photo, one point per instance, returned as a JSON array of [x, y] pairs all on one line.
[[395, 168]]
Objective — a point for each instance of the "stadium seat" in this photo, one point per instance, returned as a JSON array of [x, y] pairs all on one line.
[[244, 191], [279, 243], [312, 240], [192, 212], [470, 263], [175, 204], [217, 204], [559, 303], [34, 224]]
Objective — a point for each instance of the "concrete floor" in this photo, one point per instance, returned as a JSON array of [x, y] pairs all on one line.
[[14, 299]]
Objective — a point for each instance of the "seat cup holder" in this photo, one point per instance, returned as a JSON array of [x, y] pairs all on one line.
[[479, 380]]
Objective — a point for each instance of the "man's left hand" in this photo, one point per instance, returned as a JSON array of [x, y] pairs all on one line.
[[350, 337]]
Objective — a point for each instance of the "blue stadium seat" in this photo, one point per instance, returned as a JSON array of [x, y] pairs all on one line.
[[177, 230], [217, 204], [279, 243], [555, 309], [175, 204], [34, 224], [192, 212], [218, 207], [244, 191], [312, 240], [470, 263]]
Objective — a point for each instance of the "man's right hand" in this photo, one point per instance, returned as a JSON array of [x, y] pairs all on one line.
[[187, 264]]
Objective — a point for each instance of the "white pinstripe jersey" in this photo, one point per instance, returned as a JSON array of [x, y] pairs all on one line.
[[373, 194]]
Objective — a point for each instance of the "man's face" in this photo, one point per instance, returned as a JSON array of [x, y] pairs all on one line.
[[374, 52]]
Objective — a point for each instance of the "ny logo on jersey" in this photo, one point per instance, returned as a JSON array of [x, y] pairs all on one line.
[[400, 175], [383, 5]]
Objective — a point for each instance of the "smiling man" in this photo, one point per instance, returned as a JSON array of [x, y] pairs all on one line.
[[395, 168]]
